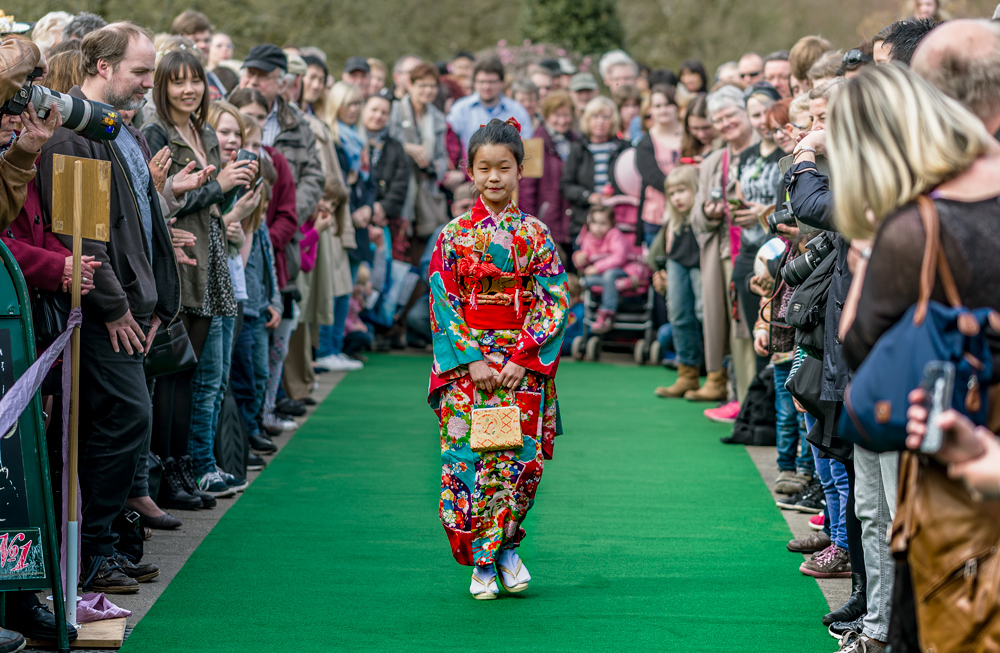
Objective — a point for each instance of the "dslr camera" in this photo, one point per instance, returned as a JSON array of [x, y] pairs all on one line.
[[784, 216], [94, 120], [798, 269]]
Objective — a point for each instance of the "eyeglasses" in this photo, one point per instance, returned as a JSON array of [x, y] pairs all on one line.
[[856, 57]]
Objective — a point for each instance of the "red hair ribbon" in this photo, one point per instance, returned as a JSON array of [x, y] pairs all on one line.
[[515, 124]]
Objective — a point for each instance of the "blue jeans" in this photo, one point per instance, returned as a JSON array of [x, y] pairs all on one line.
[[250, 371], [331, 337], [209, 377], [684, 308], [606, 280], [791, 427], [833, 476]]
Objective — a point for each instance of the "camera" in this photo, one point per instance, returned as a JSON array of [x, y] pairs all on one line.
[[94, 120], [715, 194], [784, 217], [798, 269]]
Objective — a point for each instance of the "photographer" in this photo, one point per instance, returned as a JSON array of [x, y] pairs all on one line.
[[18, 58]]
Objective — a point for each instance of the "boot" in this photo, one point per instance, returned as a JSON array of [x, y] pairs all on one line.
[[173, 493], [687, 380], [186, 468], [855, 607], [715, 388]]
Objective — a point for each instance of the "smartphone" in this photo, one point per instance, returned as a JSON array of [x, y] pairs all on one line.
[[245, 155], [738, 204], [939, 383], [661, 263]]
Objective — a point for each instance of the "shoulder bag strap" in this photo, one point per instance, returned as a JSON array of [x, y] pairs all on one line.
[[933, 258]]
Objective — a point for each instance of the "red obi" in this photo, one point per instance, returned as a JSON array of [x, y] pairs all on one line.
[[496, 305]]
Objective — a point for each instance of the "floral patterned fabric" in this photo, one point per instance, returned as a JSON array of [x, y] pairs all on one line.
[[498, 294]]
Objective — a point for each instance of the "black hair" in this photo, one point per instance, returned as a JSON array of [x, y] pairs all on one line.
[[698, 68], [906, 36], [497, 132], [663, 77], [464, 54]]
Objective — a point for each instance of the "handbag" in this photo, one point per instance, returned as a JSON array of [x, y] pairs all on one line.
[[49, 313], [875, 401], [950, 542], [170, 352], [496, 428]]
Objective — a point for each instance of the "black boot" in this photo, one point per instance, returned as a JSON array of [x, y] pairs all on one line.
[[855, 607], [173, 490], [32, 618], [186, 467]]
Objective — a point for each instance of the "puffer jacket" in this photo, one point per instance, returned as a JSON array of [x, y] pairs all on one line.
[[297, 144]]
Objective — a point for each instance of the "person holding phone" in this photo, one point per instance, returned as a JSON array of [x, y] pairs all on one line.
[[208, 300]]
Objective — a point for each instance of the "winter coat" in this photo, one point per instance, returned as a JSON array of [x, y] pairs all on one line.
[[543, 197], [297, 145], [404, 128], [196, 215], [127, 280], [577, 182], [281, 222], [392, 178]]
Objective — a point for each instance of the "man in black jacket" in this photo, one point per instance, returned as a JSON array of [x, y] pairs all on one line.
[[136, 288]]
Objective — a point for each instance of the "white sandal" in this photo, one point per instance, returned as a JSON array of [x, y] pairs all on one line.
[[514, 575], [483, 589]]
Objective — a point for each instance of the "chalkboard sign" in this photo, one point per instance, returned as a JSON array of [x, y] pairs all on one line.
[[27, 523]]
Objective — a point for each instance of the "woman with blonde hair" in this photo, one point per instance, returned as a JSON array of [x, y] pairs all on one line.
[[893, 138], [341, 113]]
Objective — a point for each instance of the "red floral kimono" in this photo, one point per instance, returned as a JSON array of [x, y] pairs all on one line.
[[498, 294]]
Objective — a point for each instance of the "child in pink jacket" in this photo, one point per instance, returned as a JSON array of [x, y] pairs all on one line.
[[601, 258]]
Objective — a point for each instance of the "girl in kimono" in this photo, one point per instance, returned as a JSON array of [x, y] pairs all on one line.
[[498, 309]]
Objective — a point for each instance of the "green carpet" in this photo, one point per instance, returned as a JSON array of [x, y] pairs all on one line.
[[647, 534]]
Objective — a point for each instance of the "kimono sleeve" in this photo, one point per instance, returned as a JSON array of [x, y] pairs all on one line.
[[541, 337], [454, 345]]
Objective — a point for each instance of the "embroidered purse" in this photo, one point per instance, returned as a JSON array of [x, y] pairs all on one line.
[[496, 428]]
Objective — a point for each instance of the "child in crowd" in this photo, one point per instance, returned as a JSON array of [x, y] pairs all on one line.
[[602, 254], [680, 280], [359, 335], [498, 310]]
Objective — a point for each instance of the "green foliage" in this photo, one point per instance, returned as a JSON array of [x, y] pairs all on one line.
[[586, 26]]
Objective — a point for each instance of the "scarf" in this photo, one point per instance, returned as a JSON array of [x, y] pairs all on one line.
[[353, 146], [376, 141]]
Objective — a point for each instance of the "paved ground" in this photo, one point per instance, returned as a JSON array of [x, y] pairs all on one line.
[[170, 549]]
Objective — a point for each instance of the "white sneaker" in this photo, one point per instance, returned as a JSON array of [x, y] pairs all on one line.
[[484, 584], [514, 575], [339, 363], [274, 423]]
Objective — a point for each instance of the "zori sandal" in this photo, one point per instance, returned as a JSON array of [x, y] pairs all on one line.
[[484, 587], [514, 575]]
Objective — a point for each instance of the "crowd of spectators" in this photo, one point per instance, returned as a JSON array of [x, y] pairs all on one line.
[[279, 211]]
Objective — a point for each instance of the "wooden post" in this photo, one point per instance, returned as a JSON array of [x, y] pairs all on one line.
[[74, 400]]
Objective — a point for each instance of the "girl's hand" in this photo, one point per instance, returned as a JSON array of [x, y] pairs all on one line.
[[245, 205], [322, 221], [159, 167], [237, 173], [274, 320], [660, 282], [187, 179], [762, 343], [511, 376], [482, 376], [235, 234]]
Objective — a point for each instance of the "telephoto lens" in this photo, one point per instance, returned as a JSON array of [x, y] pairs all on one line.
[[94, 120], [780, 217], [798, 269]]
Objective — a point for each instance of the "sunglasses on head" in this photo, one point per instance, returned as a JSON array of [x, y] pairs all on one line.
[[856, 57]]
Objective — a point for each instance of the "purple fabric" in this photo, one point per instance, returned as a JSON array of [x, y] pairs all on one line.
[[23, 391], [96, 607]]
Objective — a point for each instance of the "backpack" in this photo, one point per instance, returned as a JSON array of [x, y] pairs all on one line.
[[755, 425], [232, 448], [875, 401], [807, 308]]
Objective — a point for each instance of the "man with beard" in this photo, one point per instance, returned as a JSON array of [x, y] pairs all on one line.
[[135, 290]]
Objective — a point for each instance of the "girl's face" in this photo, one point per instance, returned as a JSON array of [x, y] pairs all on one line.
[[757, 113], [256, 112], [702, 129], [681, 198], [691, 81], [230, 139], [560, 120], [781, 137], [924, 8], [313, 85], [185, 94], [253, 142], [628, 113], [662, 111], [348, 113], [221, 48], [600, 125], [496, 173], [599, 225]]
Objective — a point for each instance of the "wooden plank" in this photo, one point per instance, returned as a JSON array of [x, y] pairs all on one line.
[[96, 196], [534, 158], [108, 633]]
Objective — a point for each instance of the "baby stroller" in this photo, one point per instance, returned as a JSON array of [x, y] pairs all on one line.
[[632, 327]]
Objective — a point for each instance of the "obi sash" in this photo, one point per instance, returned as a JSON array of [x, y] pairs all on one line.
[[496, 306]]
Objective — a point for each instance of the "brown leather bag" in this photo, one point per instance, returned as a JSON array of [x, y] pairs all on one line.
[[951, 543]]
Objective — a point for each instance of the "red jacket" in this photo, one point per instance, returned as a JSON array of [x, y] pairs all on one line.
[[536, 193], [282, 219], [36, 249]]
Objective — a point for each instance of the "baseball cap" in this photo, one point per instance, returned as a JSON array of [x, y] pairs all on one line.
[[583, 82], [266, 57], [357, 63]]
